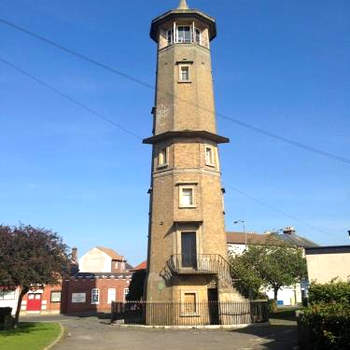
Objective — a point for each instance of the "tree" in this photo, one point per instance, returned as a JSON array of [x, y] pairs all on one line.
[[245, 272], [136, 288], [30, 258], [272, 265], [283, 266]]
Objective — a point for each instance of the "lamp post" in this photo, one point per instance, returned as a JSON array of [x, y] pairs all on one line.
[[244, 230]]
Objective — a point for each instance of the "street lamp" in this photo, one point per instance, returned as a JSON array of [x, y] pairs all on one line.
[[244, 230]]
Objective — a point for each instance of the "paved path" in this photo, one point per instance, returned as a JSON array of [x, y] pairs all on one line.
[[90, 333]]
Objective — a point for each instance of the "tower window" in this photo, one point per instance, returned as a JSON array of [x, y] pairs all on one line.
[[184, 34], [198, 36], [187, 199], [163, 157], [190, 303], [184, 73], [170, 36], [209, 156]]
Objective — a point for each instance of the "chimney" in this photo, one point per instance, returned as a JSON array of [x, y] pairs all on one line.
[[289, 230], [74, 255]]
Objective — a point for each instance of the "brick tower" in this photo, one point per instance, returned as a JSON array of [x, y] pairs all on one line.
[[187, 252]]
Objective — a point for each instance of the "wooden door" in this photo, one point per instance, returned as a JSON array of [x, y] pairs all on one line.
[[34, 302], [189, 249]]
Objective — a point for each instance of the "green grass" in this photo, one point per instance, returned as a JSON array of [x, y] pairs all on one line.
[[29, 336], [284, 316]]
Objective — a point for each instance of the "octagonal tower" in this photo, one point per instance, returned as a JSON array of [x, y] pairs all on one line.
[[187, 252]]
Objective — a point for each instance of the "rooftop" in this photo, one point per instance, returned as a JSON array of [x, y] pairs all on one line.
[[111, 253], [267, 238]]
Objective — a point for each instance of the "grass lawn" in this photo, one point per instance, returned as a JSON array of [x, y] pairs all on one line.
[[29, 336]]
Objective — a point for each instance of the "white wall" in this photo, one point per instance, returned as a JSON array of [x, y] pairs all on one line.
[[95, 261], [6, 300]]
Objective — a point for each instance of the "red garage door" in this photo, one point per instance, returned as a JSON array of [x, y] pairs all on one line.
[[34, 302]]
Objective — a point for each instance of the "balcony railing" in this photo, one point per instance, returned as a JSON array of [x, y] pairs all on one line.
[[201, 264]]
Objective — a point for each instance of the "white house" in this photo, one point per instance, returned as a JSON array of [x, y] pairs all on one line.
[[101, 259]]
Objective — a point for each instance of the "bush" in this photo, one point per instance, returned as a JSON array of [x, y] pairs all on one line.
[[6, 320], [333, 292], [325, 327]]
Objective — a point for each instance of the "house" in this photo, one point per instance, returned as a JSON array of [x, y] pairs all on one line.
[[101, 259], [237, 242], [325, 264], [100, 277], [104, 276]]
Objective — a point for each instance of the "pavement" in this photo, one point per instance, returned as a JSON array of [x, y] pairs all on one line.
[[85, 333]]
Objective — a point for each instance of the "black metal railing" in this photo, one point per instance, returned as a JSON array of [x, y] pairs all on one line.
[[201, 264], [183, 314]]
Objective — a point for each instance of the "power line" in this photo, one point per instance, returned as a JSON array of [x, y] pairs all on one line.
[[149, 86], [266, 205], [69, 98], [109, 121]]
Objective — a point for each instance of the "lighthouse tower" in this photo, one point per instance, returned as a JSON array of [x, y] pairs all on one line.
[[187, 252]]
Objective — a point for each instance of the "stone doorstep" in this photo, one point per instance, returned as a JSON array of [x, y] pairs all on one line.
[[239, 326]]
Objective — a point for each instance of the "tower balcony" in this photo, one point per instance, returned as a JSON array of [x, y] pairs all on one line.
[[200, 264]]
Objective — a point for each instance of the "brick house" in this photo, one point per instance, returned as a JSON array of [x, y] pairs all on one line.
[[104, 276], [100, 277]]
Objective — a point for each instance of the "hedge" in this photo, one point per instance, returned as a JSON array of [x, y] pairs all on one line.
[[333, 292], [324, 327]]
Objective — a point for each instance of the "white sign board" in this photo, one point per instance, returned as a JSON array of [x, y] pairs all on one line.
[[78, 297]]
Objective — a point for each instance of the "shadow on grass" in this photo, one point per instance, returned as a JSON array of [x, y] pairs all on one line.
[[24, 328]]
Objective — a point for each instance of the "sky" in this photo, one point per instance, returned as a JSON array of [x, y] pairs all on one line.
[[279, 65]]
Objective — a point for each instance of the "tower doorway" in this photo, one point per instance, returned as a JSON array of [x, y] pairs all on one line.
[[213, 306]]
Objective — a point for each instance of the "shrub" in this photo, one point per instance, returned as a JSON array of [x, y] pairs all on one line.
[[325, 327], [6, 321], [333, 292]]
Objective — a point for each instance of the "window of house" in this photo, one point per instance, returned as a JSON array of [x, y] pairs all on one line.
[[95, 296], [55, 297], [186, 196], [163, 157], [198, 36], [184, 34], [190, 303], [8, 295], [170, 36], [184, 73], [209, 156], [126, 292]]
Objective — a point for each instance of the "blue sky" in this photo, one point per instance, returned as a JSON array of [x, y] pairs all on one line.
[[279, 65]]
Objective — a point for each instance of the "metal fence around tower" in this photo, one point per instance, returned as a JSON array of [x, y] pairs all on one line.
[[182, 314]]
